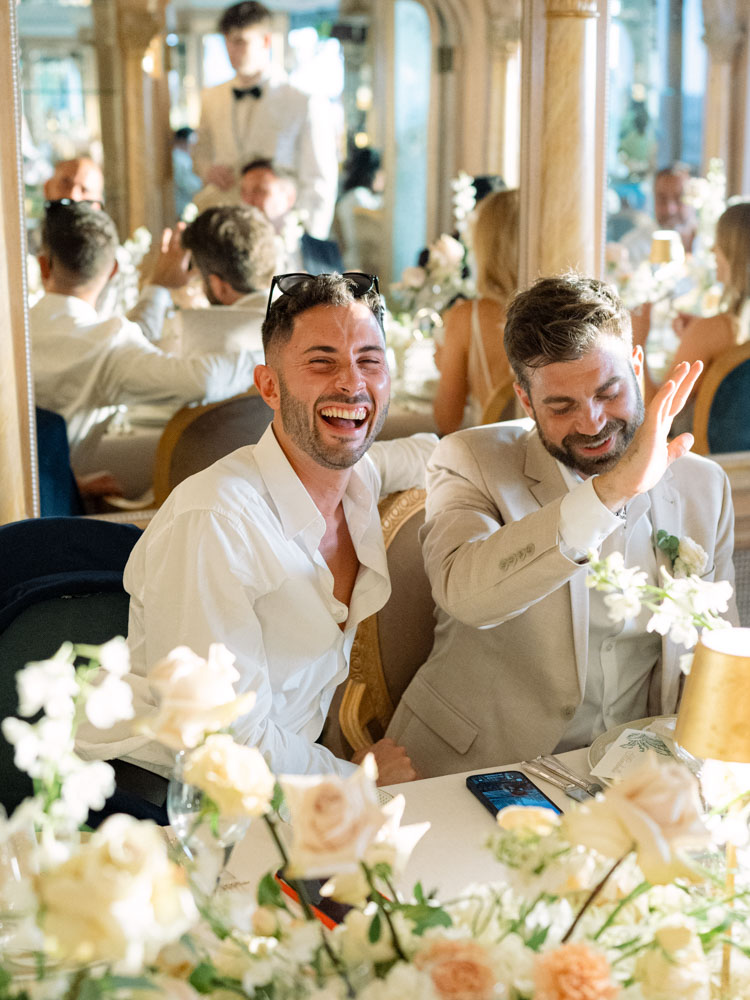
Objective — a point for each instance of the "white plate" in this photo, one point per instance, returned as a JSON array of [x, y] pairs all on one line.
[[601, 744]]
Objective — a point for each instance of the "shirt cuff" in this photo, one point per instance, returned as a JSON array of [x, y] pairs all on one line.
[[584, 521], [157, 294]]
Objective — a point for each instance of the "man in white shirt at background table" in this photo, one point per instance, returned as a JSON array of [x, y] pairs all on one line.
[[277, 550]]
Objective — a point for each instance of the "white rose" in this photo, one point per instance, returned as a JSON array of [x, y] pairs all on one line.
[[534, 819], [413, 277], [334, 820], [195, 697], [233, 776], [653, 810], [691, 558], [677, 967], [447, 252], [118, 899]]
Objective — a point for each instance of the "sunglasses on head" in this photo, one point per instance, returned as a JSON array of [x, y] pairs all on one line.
[[67, 202], [291, 284]]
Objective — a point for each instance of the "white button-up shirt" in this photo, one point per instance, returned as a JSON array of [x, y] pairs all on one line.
[[232, 557], [85, 367]]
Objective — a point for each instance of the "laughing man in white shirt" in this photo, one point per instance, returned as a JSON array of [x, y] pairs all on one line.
[[277, 549]]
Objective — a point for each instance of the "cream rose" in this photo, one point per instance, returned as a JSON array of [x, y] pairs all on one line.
[[446, 252], [654, 810], [334, 820], [233, 776], [195, 697], [460, 970], [677, 967], [117, 900], [535, 819], [691, 558]]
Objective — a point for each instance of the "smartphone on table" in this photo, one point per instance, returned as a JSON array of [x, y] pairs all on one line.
[[507, 788], [327, 910]]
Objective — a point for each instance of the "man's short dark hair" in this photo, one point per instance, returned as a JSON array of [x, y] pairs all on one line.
[[317, 290], [235, 242], [81, 239], [263, 163], [244, 15], [561, 319]]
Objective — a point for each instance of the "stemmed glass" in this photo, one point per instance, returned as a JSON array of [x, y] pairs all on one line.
[[205, 839]]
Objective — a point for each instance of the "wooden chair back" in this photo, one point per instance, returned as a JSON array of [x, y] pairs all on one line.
[[198, 436], [500, 405], [391, 645], [721, 421]]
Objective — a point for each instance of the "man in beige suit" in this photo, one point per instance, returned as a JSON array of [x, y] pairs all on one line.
[[526, 660]]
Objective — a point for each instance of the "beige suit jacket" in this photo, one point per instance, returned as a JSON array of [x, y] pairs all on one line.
[[508, 667], [287, 126]]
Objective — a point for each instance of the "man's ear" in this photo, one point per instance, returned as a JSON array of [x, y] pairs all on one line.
[[216, 287], [637, 359], [45, 266], [267, 383], [115, 269], [524, 399]]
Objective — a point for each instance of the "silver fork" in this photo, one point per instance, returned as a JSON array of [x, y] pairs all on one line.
[[572, 790], [545, 760]]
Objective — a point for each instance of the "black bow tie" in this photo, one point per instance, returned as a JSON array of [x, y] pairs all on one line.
[[240, 92]]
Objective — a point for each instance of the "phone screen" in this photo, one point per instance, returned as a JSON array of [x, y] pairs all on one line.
[[327, 910], [507, 788]]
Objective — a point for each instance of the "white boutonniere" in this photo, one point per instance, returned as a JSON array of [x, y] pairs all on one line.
[[688, 558]]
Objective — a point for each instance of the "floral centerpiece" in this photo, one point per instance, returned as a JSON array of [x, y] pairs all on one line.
[[611, 900]]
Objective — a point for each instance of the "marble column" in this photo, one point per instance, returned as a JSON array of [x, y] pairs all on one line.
[[566, 233], [723, 35], [504, 125], [19, 493]]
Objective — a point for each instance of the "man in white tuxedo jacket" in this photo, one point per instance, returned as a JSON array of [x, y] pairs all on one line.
[[259, 115], [526, 659]]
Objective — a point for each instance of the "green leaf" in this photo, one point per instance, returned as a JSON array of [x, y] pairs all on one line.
[[538, 938], [668, 543], [277, 800], [419, 892], [203, 977], [424, 916], [269, 892], [376, 926]]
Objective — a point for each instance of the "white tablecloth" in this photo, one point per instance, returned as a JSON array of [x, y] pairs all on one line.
[[450, 855]]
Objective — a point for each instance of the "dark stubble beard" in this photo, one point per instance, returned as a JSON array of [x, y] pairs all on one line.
[[300, 424], [597, 463]]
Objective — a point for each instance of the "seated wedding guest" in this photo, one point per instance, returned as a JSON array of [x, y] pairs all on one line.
[[472, 359], [277, 549], [79, 179], [184, 178], [85, 367], [234, 247], [273, 190], [526, 659], [671, 211], [358, 220]]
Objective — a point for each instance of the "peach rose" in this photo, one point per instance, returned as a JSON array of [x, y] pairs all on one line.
[[654, 810], [460, 970], [334, 820], [195, 697], [573, 972]]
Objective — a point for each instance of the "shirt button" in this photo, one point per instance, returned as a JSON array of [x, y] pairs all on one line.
[[568, 711]]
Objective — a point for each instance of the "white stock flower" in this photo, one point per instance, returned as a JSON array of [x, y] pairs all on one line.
[[677, 967], [691, 558], [624, 606], [48, 686], [334, 820], [654, 810], [118, 899], [114, 656], [235, 777], [86, 786], [109, 702], [195, 697], [38, 747]]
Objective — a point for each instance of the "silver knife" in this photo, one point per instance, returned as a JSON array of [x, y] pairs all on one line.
[[571, 790], [545, 760]]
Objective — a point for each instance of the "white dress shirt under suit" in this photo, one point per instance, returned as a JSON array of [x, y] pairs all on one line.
[[232, 557], [284, 125], [85, 367]]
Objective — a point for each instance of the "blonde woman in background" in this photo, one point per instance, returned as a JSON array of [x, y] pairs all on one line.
[[472, 359], [705, 338]]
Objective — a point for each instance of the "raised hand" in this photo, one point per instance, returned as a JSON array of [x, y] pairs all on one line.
[[173, 263], [651, 453]]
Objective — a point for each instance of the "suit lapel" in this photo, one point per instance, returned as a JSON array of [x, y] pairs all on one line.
[[666, 515], [547, 485]]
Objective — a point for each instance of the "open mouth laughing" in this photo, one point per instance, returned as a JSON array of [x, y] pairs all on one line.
[[344, 417]]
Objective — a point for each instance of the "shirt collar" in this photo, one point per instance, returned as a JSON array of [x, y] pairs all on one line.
[[297, 511], [71, 305]]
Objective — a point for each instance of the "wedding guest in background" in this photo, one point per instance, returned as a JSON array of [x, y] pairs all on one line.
[[85, 367], [80, 179], [186, 181], [526, 659], [671, 211], [358, 220], [260, 115], [277, 550], [472, 359], [705, 338]]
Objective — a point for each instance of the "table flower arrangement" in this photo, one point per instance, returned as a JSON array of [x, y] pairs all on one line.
[[604, 902]]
